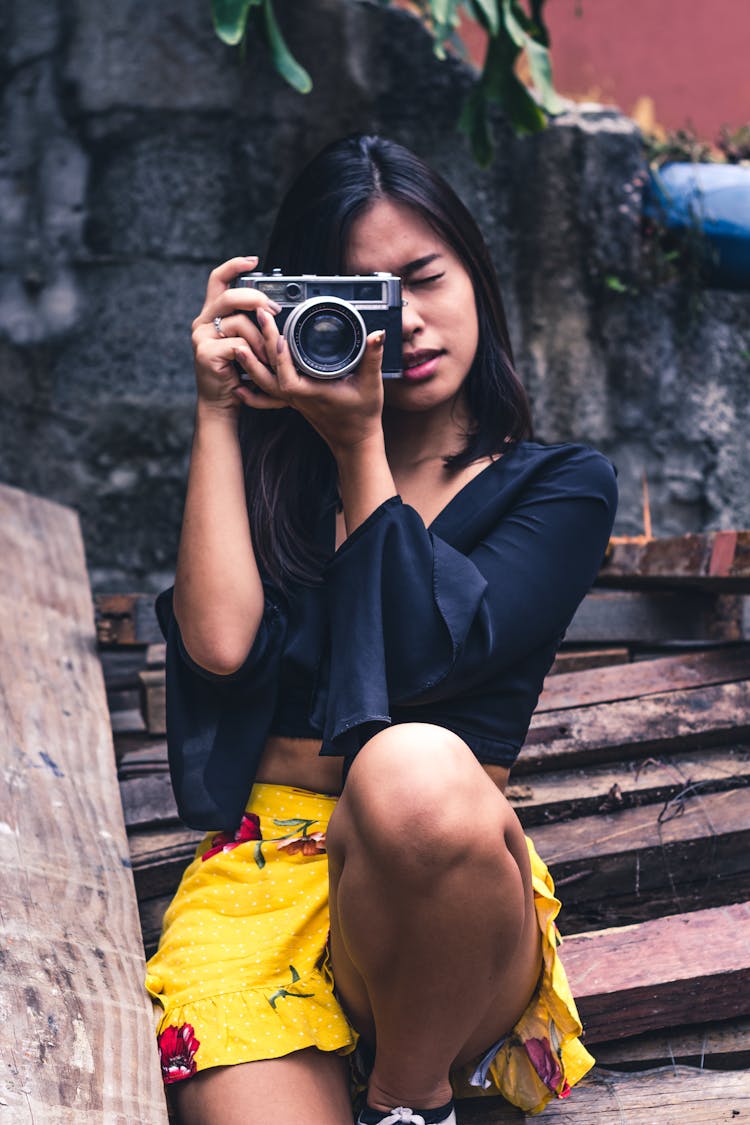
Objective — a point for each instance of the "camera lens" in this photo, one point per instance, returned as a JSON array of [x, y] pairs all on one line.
[[326, 337]]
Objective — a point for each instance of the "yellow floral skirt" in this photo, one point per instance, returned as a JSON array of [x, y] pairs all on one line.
[[242, 972]]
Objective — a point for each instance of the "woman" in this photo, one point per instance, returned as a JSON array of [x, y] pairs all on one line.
[[373, 577]]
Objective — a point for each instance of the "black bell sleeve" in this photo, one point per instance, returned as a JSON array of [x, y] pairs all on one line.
[[416, 619], [217, 725]]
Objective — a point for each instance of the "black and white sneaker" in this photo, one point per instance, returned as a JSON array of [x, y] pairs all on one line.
[[443, 1115]]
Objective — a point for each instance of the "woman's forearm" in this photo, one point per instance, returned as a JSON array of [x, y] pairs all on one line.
[[365, 480], [218, 596]]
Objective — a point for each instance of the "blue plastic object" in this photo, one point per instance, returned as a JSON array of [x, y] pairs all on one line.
[[712, 198]]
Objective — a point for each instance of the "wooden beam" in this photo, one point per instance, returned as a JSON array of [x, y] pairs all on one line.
[[77, 1026], [713, 560], [616, 617], [126, 619], [633, 858], [547, 798], [579, 659], [723, 1045], [610, 617], [667, 1096], [658, 974], [644, 677], [670, 722]]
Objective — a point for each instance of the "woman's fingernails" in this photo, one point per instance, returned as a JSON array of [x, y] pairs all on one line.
[[251, 257], [280, 345], [378, 338], [275, 309], [261, 315]]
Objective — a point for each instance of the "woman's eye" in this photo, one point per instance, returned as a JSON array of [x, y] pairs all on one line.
[[417, 281]]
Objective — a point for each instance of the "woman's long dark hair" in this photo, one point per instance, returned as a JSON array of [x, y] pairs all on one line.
[[289, 468]]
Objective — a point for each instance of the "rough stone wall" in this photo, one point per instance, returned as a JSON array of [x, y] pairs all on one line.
[[138, 151]]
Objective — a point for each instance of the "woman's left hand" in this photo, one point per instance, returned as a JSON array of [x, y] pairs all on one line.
[[346, 412]]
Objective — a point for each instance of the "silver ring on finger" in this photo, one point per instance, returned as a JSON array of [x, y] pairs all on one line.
[[217, 326]]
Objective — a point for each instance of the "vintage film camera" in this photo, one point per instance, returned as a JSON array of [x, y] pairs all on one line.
[[326, 320]]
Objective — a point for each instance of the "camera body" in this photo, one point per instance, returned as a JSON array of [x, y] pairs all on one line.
[[326, 320]]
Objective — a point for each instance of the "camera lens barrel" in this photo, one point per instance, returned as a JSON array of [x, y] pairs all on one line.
[[326, 336]]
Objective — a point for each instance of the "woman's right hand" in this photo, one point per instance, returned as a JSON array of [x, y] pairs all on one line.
[[216, 355]]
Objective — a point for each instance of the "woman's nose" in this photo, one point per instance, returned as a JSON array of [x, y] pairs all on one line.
[[411, 321]]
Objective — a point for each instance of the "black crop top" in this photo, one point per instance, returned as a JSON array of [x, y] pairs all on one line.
[[455, 624]]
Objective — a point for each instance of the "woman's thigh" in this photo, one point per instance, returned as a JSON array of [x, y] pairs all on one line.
[[306, 1087], [417, 779]]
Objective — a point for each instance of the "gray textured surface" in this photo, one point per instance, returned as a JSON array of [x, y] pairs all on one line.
[[138, 151]]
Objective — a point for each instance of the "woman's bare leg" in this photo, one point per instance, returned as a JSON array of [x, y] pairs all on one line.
[[435, 945], [308, 1087]]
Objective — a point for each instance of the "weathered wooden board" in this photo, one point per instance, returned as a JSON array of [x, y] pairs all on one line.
[[674, 1095], [154, 700], [159, 856], [76, 1030], [665, 723], [721, 1045], [713, 560], [639, 617], [610, 617], [578, 659], [644, 677], [126, 619], [630, 854], [657, 974], [545, 798]]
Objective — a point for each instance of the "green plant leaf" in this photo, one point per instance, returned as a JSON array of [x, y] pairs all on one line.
[[230, 19], [486, 13], [506, 89], [284, 60], [260, 859], [542, 34], [537, 54]]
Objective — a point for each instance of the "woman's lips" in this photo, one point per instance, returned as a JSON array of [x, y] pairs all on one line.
[[420, 365]]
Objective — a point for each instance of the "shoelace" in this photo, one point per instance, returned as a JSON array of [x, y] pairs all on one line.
[[403, 1116]]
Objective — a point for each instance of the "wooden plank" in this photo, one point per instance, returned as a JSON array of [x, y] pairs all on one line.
[[674, 1095], [665, 723], [659, 617], [546, 798], [610, 617], [77, 1027], [644, 677], [147, 799], [631, 979], [126, 619], [154, 699], [159, 856], [705, 842], [721, 1045], [578, 659], [712, 560]]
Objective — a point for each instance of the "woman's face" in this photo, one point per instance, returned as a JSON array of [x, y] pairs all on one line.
[[440, 330]]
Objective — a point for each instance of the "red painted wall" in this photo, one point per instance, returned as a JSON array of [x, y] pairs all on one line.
[[691, 58]]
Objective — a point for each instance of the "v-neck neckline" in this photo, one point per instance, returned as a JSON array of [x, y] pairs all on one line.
[[445, 511]]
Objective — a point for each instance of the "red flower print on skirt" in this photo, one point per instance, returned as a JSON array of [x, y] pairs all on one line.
[[314, 844], [177, 1047], [248, 831], [547, 1065]]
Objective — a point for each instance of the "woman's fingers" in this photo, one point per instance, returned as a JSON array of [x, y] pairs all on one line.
[[222, 277], [370, 370]]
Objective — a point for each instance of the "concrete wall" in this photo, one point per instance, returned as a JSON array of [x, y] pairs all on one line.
[[139, 151]]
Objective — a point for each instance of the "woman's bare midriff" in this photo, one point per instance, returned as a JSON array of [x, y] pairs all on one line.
[[297, 762]]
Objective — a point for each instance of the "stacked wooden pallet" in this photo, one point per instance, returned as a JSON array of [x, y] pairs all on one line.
[[634, 785]]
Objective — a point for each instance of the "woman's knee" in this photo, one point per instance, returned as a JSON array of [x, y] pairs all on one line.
[[419, 787]]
